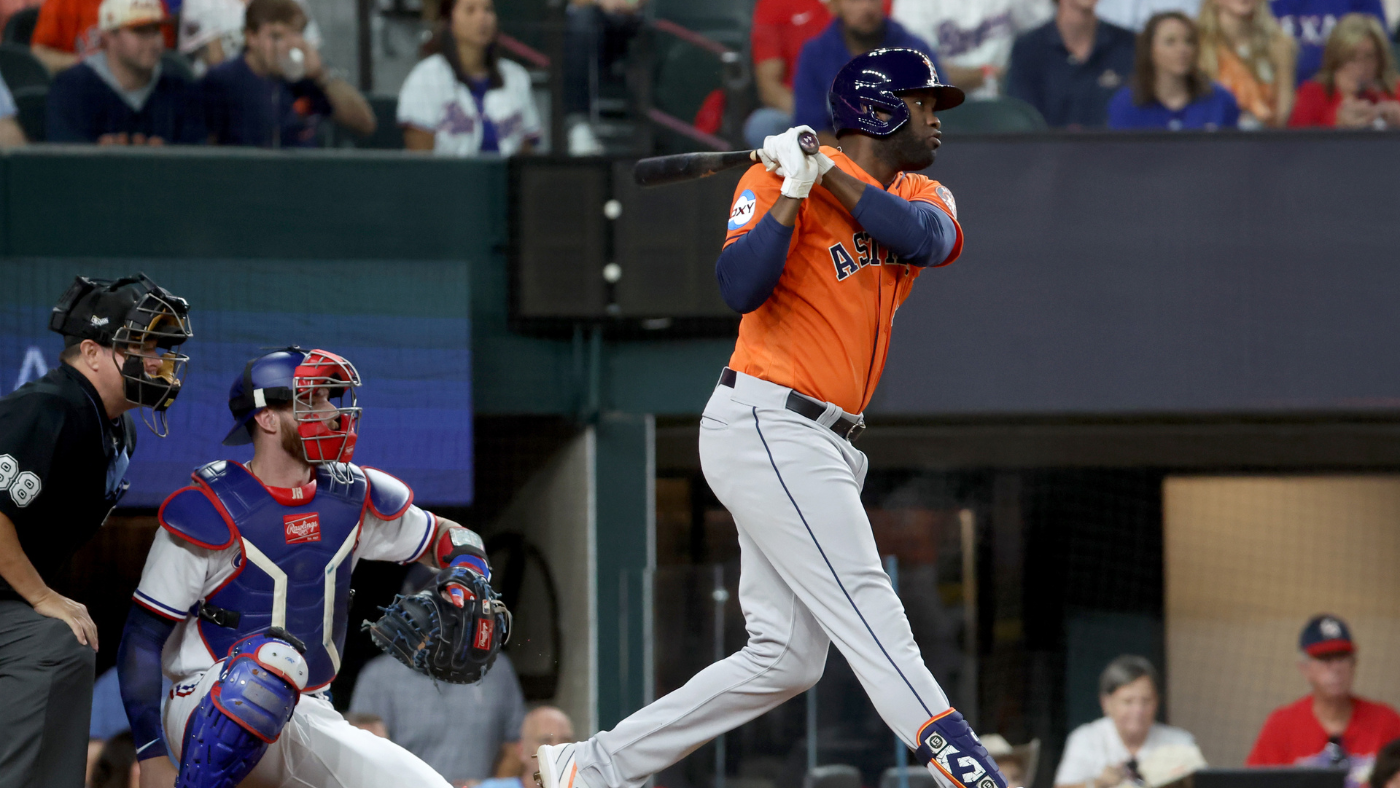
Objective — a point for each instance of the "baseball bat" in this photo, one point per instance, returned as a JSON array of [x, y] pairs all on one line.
[[661, 170]]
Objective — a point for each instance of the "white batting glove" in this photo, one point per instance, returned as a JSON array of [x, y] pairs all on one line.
[[799, 181], [783, 149], [824, 165]]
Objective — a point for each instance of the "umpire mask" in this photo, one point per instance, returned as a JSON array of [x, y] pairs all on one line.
[[141, 320]]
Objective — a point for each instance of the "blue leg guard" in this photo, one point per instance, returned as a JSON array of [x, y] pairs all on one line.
[[950, 748], [244, 712]]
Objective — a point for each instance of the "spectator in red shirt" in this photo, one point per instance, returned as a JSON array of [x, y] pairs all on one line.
[[1357, 85], [780, 28], [1330, 727]]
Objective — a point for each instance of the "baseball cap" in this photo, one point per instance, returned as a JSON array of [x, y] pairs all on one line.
[[1326, 634], [116, 14]]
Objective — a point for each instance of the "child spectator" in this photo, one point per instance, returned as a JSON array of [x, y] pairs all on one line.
[[120, 95], [973, 38], [859, 27], [1357, 86], [1310, 22], [11, 135], [1244, 49], [278, 93], [1069, 67], [1329, 727], [464, 100], [1168, 90], [780, 28], [211, 31]]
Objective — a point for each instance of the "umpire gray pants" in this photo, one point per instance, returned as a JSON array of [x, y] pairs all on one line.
[[810, 575], [46, 679]]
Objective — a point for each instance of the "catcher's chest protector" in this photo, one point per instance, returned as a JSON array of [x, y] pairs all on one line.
[[294, 571]]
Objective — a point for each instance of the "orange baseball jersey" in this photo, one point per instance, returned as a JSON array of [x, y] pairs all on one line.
[[825, 330]]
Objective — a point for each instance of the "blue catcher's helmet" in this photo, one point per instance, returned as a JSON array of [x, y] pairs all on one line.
[[874, 80], [328, 430]]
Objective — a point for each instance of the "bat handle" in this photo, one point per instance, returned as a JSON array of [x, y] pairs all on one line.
[[807, 141]]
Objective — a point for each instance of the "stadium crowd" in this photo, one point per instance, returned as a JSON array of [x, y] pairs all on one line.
[[252, 74]]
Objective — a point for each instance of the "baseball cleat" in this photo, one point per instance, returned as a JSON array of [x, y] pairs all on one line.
[[556, 767]]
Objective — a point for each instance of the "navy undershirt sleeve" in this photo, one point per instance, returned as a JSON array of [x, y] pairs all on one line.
[[749, 268], [919, 232], [138, 671]]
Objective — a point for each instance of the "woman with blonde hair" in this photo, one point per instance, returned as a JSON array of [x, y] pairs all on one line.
[[1244, 49], [1357, 86]]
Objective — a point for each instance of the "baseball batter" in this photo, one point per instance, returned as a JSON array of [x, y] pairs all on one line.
[[245, 596], [821, 251]]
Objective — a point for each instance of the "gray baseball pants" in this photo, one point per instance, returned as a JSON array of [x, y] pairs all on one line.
[[810, 575], [46, 679]]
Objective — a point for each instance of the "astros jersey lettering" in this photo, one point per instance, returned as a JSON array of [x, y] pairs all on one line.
[[825, 330]]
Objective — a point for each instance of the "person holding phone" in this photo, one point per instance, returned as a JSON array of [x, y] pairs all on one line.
[[1358, 85]]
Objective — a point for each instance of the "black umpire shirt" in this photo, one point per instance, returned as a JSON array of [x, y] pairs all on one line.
[[62, 467]]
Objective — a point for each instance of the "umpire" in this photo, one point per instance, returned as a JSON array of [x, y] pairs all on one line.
[[65, 442]]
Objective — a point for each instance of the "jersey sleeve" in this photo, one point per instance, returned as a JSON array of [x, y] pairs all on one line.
[[31, 430], [753, 197], [417, 107], [174, 577], [935, 193], [402, 539]]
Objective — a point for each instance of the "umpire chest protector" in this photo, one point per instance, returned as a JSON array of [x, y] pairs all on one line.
[[293, 570]]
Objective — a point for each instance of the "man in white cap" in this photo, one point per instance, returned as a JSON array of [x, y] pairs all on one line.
[[120, 95]]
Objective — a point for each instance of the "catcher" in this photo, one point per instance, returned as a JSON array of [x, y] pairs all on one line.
[[251, 573]]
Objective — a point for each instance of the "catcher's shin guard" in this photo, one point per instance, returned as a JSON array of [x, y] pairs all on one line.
[[954, 753], [255, 696]]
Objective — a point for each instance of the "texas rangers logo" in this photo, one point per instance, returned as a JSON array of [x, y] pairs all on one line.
[[951, 761], [1330, 628], [743, 211], [302, 527]]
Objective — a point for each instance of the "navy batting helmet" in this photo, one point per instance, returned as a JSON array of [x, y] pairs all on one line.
[[872, 82]]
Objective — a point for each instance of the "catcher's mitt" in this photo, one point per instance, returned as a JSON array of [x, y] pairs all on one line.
[[431, 634]]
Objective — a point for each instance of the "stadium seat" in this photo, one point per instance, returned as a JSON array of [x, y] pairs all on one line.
[[1003, 115], [176, 63], [832, 776], [21, 69], [710, 17], [915, 777], [524, 20], [685, 75], [32, 103], [20, 27], [387, 133]]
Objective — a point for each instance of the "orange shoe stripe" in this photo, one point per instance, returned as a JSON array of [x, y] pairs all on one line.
[[573, 772]]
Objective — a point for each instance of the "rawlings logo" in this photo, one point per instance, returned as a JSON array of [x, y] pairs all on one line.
[[485, 629], [302, 527]]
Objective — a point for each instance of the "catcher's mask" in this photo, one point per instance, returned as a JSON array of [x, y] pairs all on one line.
[[141, 320], [319, 385]]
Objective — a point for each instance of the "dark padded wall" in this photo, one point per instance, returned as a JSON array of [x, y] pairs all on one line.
[[1191, 273]]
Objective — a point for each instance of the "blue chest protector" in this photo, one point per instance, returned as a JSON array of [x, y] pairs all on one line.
[[294, 570]]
